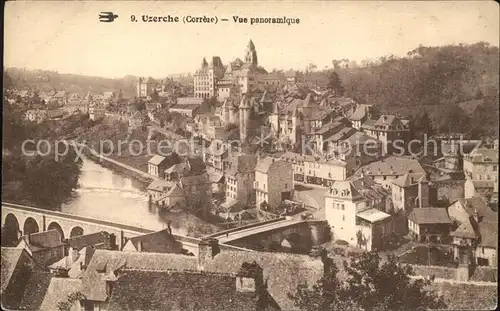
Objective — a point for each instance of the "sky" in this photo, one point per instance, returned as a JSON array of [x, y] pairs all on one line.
[[67, 36]]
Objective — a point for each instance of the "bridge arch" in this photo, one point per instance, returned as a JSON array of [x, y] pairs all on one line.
[[10, 230], [76, 231], [30, 226], [55, 226]]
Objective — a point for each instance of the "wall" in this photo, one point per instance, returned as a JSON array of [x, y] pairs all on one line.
[[280, 180], [451, 190]]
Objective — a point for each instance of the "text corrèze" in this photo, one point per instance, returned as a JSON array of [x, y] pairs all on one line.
[[188, 19]]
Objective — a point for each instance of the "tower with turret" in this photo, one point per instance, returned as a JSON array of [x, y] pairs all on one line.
[[244, 112], [251, 55]]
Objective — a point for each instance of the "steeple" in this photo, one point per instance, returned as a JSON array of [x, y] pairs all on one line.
[[251, 54], [204, 63]]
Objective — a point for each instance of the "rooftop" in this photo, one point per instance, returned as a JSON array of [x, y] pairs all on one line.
[[429, 215], [373, 215], [157, 242], [392, 165]]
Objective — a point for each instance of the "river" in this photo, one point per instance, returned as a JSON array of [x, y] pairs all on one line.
[[106, 195]]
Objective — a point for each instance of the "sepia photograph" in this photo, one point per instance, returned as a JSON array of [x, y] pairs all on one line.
[[250, 155]]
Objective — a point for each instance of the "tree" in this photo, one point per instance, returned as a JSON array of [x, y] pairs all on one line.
[[424, 125], [335, 84], [370, 285]]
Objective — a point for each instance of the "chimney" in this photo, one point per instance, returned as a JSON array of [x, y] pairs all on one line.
[[208, 248], [250, 278], [476, 215], [169, 228]]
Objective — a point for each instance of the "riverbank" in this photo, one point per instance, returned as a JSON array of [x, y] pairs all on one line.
[[111, 164]]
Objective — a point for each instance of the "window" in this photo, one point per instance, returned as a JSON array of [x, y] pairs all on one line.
[[495, 168], [286, 186], [343, 217], [482, 250], [343, 207]]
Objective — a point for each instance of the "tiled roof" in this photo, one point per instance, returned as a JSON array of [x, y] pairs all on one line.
[[10, 258], [373, 215], [196, 165], [179, 290], [93, 282], [392, 165], [36, 289], [157, 159], [241, 163], [233, 206], [160, 185], [190, 107], [471, 205], [157, 242], [45, 239], [79, 242], [67, 262], [264, 164], [177, 168], [488, 229], [283, 272], [356, 188], [483, 155], [430, 215], [409, 179], [58, 291]]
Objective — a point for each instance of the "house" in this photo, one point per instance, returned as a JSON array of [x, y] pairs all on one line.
[[74, 264], [190, 101], [188, 110], [322, 171], [486, 189], [98, 240], [215, 154], [391, 130], [429, 224], [481, 164], [76, 106], [157, 242], [96, 111], [239, 174], [17, 266], [410, 191], [132, 281], [61, 97], [158, 189], [174, 197], [176, 171], [386, 170], [298, 163], [355, 210], [362, 113], [158, 164], [273, 182], [475, 239], [282, 273], [231, 209], [45, 247]]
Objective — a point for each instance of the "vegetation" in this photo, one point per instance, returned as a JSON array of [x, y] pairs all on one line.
[[28, 176], [73, 298], [370, 285]]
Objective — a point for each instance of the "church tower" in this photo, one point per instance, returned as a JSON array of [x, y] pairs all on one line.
[[251, 55], [244, 117]]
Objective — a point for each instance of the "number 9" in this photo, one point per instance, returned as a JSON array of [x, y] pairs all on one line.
[[132, 18]]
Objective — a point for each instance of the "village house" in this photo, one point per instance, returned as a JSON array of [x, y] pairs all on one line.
[[45, 247], [321, 171], [36, 115], [157, 242], [189, 110], [158, 189], [215, 154], [356, 210], [361, 114], [390, 130], [298, 163], [429, 224], [410, 191], [96, 111], [481, 164], [475, 239], [239, 174], [74, 264], [61, 97], [273, 182], [174, 197], [386, 170], [158, 164], [231, 209]]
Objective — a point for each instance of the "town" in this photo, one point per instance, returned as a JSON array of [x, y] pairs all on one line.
[[289, 179]]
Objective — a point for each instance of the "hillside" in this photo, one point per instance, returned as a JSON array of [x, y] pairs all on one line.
[[44, 81], [454, 84]]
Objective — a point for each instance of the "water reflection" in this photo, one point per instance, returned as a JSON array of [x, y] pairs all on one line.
[[104, 194]]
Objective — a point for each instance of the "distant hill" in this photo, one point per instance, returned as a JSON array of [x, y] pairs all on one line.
[[44, 81]]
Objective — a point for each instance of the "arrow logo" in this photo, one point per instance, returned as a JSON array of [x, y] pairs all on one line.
[[107, 17]]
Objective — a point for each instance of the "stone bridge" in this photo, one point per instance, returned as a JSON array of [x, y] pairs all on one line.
[[20, 220], [282, 234]]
